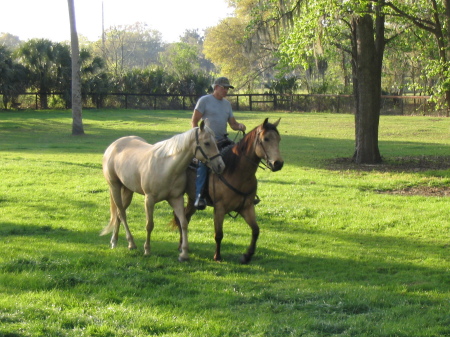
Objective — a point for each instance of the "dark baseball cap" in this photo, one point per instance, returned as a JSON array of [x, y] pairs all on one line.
[[223, 81]]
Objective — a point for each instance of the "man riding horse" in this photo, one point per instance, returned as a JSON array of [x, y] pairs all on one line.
[[218, 111]]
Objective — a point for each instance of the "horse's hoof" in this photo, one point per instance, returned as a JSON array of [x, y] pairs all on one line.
[[245, 259], [146, 252], [183, 258], [218, 258]]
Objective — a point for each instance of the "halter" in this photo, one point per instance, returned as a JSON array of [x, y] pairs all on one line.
[[199, 148]]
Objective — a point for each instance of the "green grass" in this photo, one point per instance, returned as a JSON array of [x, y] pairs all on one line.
[[334, 258]]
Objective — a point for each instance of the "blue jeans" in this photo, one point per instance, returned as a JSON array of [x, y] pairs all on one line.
[[202, 172]]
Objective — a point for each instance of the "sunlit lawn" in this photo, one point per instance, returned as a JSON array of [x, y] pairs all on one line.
[[335, 257]]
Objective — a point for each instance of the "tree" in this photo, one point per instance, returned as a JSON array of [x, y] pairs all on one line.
[[10, 41], [193, 38], [77, 121], [182, 61], [130, 46], [95, 82], [48, 64], [13, 77], [223, 46], [368, 48], [432, 16], [308, 28]]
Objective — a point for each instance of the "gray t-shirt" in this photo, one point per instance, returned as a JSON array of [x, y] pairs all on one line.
[[217, 111]]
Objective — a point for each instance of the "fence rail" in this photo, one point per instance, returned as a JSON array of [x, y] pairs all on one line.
[[390, 105]]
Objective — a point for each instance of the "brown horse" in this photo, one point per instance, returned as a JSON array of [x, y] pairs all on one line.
[[235, 189], [157, 171]]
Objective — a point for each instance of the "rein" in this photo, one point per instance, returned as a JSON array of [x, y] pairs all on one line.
[[234, 189]]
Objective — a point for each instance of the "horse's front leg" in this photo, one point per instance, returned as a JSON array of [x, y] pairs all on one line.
[[188, 212], [249, 216], [178, 208], [149, 209], [219, 215]]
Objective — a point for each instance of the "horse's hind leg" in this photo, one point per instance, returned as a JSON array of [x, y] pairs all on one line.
[[114, 222], [149, 209], [127, 197], [249, 216], [117, 194], [178, 208]]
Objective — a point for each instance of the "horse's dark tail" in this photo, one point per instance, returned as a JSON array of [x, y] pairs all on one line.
[[174, 223]]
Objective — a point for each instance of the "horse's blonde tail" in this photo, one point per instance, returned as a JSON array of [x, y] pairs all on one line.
[[112, 220], [108, 229]]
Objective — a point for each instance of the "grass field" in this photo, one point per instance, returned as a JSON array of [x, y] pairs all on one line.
[[335, 256]]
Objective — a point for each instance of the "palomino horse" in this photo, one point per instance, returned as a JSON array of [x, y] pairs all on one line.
[[235, 189], [157, 171]]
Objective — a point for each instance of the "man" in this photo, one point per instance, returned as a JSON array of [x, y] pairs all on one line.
[[218, 111]]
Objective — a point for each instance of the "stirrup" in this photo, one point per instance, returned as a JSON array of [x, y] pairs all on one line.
[[200, 203]]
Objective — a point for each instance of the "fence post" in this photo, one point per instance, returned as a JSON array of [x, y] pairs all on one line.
[[237, 102], [250, 99]]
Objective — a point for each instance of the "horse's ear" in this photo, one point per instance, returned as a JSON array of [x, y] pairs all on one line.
[[265, 122], [277, 122], [202, 125]]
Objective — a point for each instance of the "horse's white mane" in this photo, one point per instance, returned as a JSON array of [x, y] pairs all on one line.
[[176, 144]]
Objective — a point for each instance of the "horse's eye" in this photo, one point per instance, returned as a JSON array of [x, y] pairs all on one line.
[[266, 139]]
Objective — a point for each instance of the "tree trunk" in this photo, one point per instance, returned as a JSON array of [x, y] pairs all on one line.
[[77, 120], [367, 59], [43, 98]]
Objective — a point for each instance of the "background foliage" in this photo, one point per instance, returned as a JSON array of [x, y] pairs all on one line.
[[304, 48]]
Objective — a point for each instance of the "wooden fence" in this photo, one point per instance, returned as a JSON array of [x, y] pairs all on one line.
[[393, 105]]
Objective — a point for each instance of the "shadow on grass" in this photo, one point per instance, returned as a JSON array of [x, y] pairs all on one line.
[[367, 253], [361, 278], [313, 152]]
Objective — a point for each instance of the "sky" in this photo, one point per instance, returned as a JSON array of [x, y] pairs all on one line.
[[49, 19]]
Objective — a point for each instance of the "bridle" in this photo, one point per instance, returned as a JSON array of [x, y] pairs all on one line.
[[199, 148], [266, 156]]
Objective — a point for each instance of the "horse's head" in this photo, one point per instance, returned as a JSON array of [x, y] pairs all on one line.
[[268, 145], [206, 150]]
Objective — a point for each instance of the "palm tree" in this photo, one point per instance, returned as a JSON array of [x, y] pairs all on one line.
[[77, 121]]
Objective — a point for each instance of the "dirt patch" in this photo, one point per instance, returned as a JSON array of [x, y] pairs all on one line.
[[441, 191], [401, 164]]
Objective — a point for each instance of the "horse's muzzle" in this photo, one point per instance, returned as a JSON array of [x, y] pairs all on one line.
[[276, 165], [217, 165]]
